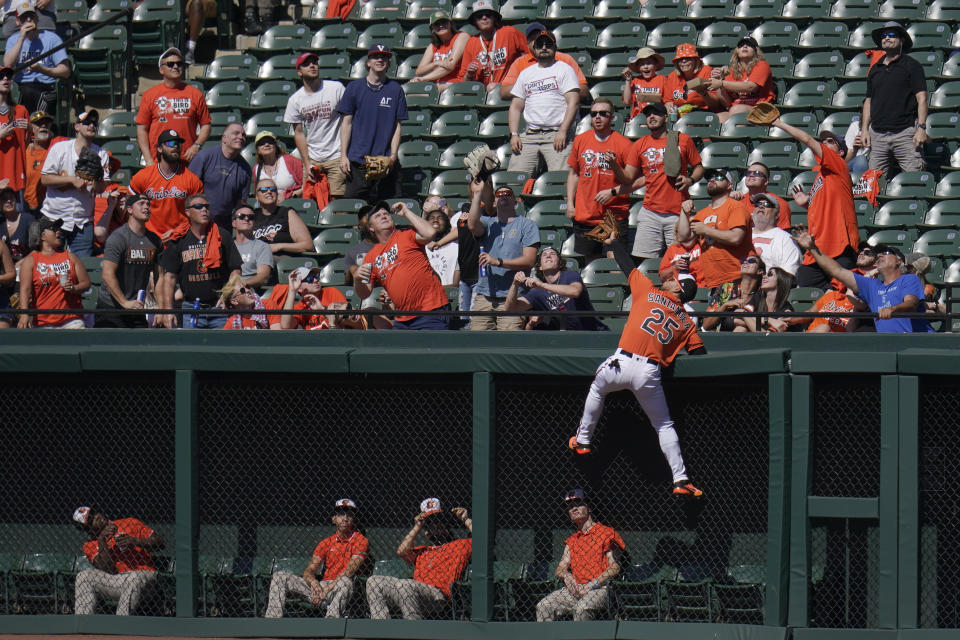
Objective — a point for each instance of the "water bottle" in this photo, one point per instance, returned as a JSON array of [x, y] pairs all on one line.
[[483, 271], [192, 318]]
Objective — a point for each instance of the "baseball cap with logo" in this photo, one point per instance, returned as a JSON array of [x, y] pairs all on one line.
[[574, 494], [306, 55], [481, 6], [685, 50], [438, 16], [303, 272], [169, 134], [26, 7], [430, 506], [81, 515], [83, 116], [344, 503], [545, 34], [534, 28], [380, 49], [40, 116]]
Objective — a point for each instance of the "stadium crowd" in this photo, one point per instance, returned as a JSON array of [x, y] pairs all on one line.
[[183, 233]]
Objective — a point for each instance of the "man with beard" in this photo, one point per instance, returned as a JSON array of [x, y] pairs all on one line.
[[167, 183], [41, 137]]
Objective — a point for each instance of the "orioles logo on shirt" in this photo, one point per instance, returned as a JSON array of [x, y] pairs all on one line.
[[817, 185], [50, 272]]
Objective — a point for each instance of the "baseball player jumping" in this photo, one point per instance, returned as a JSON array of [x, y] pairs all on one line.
[[656, 330]]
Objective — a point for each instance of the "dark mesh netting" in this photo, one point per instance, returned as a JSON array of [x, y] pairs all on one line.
[[844, 562]]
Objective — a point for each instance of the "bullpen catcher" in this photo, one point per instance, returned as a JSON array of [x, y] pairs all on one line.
[[657, 328]]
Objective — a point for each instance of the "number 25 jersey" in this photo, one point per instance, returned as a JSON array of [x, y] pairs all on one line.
[[658, 326]]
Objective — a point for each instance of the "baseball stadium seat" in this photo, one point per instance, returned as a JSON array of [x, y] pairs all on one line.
[[572, 36], [739, 597], [945, 213], [550, 214], [839, 122], [228, 95], [689, 599], [707, 11], [121, 125], [823, 34], [721, 36], [550, 184], [638, 595], [450, 125], [272, 95], [603, 272], [281, 67], [513, 179], [416, 40], [776, 34], [419, 11], [522, 10], [386, 33], [452, 182], [568, 10], [930, 35], [669, 35], [659, 10], [723, 155], [943, 10], [910, 184], [281, 38], [819, 64], [849, 95], [939, 242], [806, 120], [946, 96], [621, 36], [451, 157], [862, 36], [462, 95], [417, 153], [903, 239], [699, 124], [420, 94], [899, 214], [753, 11], [34, 582], [808, 94], [377, 11], [271, 121], [231, 66], [333, 38], [853, 10], [613, 11], [737, 127], [943, 125], [609, 65], [776, 154], [902, 10], [335, 242]]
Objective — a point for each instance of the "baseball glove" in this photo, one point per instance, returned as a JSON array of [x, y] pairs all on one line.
[[377, 167], [604, 229], [89, 166], [763, 114], [481, 162]]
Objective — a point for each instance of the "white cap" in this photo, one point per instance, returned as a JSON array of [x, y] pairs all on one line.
[[344, 502], [303, 272], [167, 53], [430, 506], [81, 515]]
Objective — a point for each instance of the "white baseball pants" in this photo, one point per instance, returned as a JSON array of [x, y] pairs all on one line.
[[414, 599], [284, 582], [126, 588], [619, 372]]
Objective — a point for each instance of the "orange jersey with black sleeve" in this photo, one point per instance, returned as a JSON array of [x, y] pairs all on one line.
[[133, 558], [588, 551], [167, 193], [336, 552], [401, 265], [658, 327], [440, 566]]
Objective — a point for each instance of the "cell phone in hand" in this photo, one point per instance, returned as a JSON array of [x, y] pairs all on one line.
[[20, 123]]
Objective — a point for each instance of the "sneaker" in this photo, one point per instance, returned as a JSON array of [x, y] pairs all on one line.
[[578, 447], [685, 489], [190, 58]]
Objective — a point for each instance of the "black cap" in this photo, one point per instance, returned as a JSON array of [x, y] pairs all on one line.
[[371, 208], [655, 107], [764, 197], [44, 223], [134, 198], [841, 143], [886, 248], [750, 40], [169, 134]]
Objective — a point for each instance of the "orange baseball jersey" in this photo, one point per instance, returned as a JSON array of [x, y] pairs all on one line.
[[47, 291], [647, 154], [832, 302], [675, 89], [336, 552], [13, 149], [641, 90], [721, 262], [494, 55], [658, 326], [763, 77], [168, 195], [595, 175], [182, 109], [441, 566], [401, 265], [523, 62], [783, 217], [676, 249], [33, 191], [830, 215], [588, 551], [134, 558]]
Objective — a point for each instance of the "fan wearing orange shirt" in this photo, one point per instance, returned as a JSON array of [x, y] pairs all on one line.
[[436, 566], [168, 183], [341, 555], [594, 178], [748, 82], [400, 264], [314, 298], [687, 87], [657, 329], [521, 63], [833, 301], [831, 217], [591, 559], [488, 54], [643, 84]]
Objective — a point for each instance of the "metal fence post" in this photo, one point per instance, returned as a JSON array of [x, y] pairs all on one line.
[[484, 506], [187, 490]]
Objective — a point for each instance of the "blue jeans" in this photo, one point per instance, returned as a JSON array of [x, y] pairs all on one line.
[[80, 241], [466, 299], [421, 323], [201, 321]]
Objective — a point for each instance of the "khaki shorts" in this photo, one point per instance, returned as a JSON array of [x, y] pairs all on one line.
[[209, 7], [336, 178]]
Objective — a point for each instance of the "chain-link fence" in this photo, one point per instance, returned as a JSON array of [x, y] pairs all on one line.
[[844, 572], [280, 450], [689, 560], [939, 504], [106, 442]]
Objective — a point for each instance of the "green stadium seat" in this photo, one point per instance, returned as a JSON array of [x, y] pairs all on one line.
[[946, 96], [550, 184], [669, 35], [902, 10], [417, 153], [776, 34], [460, 123], [613, 11], [120, 125], [900, 214], [358, 69], [939, 242], [707, 11], [417, 123], [930, 35], [98, 61], [333, 38], [659, 10], [603, 272], [621, 36], [724, 155], [804, 179], [463, 95], [419, 11], [522, 10], [606, 298], [102, 10], [849, 96], [407, 68], [946, 10], [228, 95], [948, 186], [839, 122], [550, 214], [802, 10], [271, 121], [421, 94], [272, 95], [862, 36], [416, 40], [559, 11], [70, 13], [281, 67], [494, 102], [823, 34], [853, 10], [378, 11], [737, 127], [951, 273], [34, 583], [945, 213], [610, 65], [332, 273], [572, 36], [819, 64], [451, 157], [721, 36], [902, 239], [943, 125], [231, 66], [494, 125], [781, 62], [315, 16], [126, 151], [857, 67], [335, 242], [155, 27], [636, 128], [452, 182], [715, 58], [387, 33], [513, 179], [333, 65], [220, 119], [776, 154], [612, 89], [808, 94], [931, 61], [753, 11], [910, 184], [552, 238], [281, 38], [699, 124]]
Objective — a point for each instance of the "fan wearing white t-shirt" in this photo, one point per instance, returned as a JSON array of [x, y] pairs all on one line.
[[547, 95], [772, 243], [312, 110]]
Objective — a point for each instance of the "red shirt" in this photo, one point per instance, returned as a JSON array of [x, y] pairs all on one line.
[[675, 89], [647, 154], [401, 265], [721, 262], [134, 558], [494, 56], [586, 158], [182, 109], [440, 566], [588, 551], [336, 552], [641, 90], [676, 249], [658, 326], [13, 150], [48, 293], [763, 77], [830, 215], [168, 195]]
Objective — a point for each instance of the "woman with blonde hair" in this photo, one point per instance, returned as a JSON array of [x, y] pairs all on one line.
[[237, 295], [746, 82]]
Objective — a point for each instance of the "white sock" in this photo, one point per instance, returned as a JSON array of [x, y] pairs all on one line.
[[191, 45]]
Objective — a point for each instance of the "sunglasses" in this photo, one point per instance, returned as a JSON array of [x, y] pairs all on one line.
[[379, 56], [717, 177], [310, 62], [171, 143], [310, 279], [267, 189], [486, 14], [770, 273], [544, 44], [504, 193], [890, 34], [245, 216], [200, 206], [175, 64], [89, 122], [755, 174], [887, 252], [868, 252], [266, 141], [600, 114], [242, 291], [749, 261], [765, 204], [440, 26]]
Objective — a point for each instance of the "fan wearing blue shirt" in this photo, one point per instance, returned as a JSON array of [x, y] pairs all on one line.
[[38, 91], [893, 292]]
